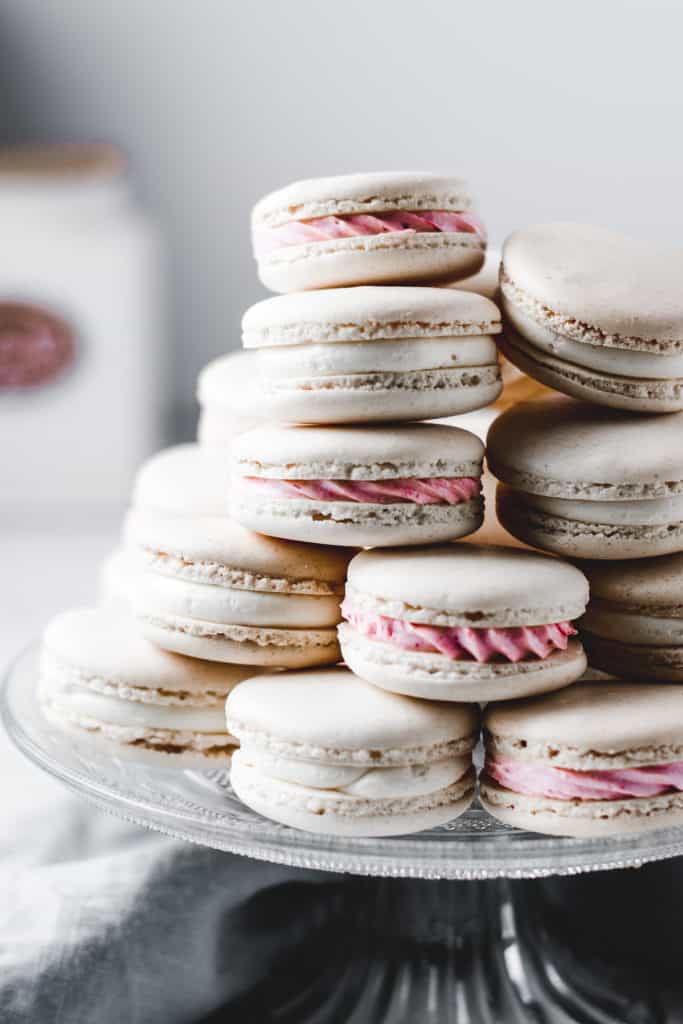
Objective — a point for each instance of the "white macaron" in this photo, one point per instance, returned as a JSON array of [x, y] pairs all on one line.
[[589, 482], [326, 752], [595, 314], [362, 354], [359, 485], [211, 589], [384, 228], [463, 621], [223, 414], [100, 677]]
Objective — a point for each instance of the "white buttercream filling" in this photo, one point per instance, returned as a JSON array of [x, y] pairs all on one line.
[[80, 702], [642, 512], [395, 356], [368, 783], [622, 362], [631, 627], [163, 595]]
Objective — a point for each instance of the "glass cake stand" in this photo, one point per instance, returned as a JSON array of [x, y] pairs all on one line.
[[436, 930]]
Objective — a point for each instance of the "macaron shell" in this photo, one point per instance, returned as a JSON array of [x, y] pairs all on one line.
[[109, 646], [93, 743], [212, 543], [357, 524], [435, 677], [370, 192], [624, 287], [391, 258], [320, 811], [367, 314], [242, 645], [576, 539], [642, 661], [632, 394], [357, 452], [184, 480], [585, 819], [592, 725], [467, 585], [333, 716], [649, 583], [379, 397], [569, 449]]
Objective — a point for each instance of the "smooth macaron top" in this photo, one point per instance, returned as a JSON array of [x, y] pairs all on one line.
[[641, 584], [331, 714], [184, 480], [367, 314], [109, 646], [593, 718], [357, 452], [289, 566], [361, 193], [568, 449], [467, 585], [617, 291]]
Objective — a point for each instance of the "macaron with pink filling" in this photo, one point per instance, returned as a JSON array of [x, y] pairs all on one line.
[[395, 227], [596, 759], [358, 486], [463, 622]]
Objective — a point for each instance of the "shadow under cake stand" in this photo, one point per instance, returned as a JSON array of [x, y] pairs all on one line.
[[430, 927]]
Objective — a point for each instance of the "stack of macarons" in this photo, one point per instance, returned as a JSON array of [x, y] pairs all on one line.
[[244, 577]]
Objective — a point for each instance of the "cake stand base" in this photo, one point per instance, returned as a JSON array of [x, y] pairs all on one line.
[[403, 951]]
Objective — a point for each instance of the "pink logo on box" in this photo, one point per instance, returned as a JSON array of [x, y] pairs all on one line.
[[36, 347]]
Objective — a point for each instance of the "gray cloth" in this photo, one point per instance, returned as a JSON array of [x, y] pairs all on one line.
[[102, 921]]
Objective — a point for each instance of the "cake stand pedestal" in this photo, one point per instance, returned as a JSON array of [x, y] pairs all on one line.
[[437, 926]]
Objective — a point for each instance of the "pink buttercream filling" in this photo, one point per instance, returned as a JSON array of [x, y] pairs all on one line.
[[535, 779], [462, 642], [429, 491], [322, 229]]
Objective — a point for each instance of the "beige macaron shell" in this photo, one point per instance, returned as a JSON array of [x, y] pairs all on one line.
[[648, 585], [581, 819], [362, 193], [467, 585], [357, 453], [368, 314], [628, 290], [592, 726], [640, 395], [578, 539], [109, 646], [333, 813], [200, 549], [568, 449], [334, 717], [181, 481]]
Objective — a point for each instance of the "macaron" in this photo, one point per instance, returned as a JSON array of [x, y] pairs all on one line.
[[357, 486], [115, 578], [596, 759], [211, 589], [100, 677], [595, 315], [364, 354], [222, 414], [463, 622], [633, 625], [183, 481], [589, 482], [324, 751], [386, 228]]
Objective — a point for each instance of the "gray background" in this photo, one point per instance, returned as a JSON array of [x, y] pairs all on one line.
[[553, 111]]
